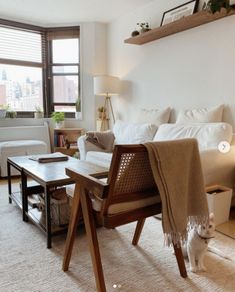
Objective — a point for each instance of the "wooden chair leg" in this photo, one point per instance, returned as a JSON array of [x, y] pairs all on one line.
[[138, 230], [180, 260], [74, 218], [92, 240]]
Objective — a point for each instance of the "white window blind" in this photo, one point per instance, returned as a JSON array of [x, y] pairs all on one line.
[[20, 45]]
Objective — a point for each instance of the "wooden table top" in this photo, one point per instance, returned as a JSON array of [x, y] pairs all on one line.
[[54, 172]]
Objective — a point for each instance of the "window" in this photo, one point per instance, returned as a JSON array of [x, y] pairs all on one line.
[[39, 67], [64, 70], [21, 69]]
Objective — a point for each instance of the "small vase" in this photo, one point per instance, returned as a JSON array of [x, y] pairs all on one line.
[[38, 115], [135, 33], [59, 125]]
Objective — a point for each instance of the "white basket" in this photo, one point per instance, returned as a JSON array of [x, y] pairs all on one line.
[[2, 113], [219, 202]]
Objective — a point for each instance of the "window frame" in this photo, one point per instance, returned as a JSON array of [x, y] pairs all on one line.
[[47, 86], [68, 33]]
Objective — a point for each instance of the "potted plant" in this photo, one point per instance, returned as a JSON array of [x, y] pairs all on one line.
[[144, 26], [38, 112], [102, 112], [213, 6], [58, 118], [11, 114], [78, 109]]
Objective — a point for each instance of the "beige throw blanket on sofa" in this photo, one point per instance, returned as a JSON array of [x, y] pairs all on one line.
[[178, 174], [103, 140]]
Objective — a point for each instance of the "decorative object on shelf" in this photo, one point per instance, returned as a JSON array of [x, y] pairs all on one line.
[[214, 6], [144, 27], [78, 114], [101, 112], [186, 23], [58, 118], [180, 11], [231, 3], [65, 140], [135, 33], [38, 112], [106, 86]]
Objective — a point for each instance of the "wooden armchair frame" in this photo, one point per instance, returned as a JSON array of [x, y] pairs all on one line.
[[129, 180]]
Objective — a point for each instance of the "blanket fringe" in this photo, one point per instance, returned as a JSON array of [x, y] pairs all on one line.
[[178, 238]]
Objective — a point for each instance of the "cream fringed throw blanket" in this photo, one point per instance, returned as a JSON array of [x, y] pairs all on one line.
[[178, 174]]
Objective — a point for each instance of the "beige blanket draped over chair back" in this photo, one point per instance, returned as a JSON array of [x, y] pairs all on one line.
[[178, 174]]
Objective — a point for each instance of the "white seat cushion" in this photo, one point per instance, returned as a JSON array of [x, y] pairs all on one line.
[[208, 135], [19, 148], [120, 207], [99, 158]]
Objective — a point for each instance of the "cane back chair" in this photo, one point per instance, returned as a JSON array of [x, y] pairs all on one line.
[[130, 194]]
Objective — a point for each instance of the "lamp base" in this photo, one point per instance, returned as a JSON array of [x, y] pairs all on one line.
[[108, 107]]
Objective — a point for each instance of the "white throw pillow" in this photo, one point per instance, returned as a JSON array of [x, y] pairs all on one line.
[[203, 115], [133, 133], [208, 135], [154, 116]]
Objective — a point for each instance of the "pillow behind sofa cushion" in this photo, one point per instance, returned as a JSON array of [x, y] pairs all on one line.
[[131, 133], [202, 115], [208, 135], [154, 116]]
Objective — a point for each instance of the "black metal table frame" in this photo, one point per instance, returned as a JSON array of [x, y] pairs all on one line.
[[30, 190]]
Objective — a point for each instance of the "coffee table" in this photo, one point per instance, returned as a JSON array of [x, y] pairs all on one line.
[[48, 176]]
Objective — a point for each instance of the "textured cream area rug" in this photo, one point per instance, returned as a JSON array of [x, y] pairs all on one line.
[[27, 265]]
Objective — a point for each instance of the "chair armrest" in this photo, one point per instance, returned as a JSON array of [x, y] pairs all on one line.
[[92, 184], [106, 138]]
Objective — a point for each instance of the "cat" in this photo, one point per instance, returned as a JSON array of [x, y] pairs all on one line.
[[197, 244]]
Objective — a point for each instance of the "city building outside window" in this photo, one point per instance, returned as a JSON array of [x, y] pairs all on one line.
[[39, 67]]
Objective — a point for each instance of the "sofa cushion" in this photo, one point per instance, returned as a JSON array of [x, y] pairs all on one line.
[[154, 116], [99, 158], [133, 133], [202, 115], [209, 135]]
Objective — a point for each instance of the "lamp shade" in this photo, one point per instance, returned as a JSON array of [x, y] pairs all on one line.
[[106, 85]]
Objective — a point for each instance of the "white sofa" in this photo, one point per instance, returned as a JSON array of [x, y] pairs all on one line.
[[218, 168], [23, 140]]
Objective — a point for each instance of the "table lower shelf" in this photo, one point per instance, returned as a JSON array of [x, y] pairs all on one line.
[[35, 216]]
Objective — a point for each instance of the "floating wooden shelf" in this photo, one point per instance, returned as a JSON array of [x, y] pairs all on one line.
[[194, 20]]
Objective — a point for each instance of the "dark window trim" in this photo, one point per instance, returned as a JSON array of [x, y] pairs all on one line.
[[45, 65], [52, 74]]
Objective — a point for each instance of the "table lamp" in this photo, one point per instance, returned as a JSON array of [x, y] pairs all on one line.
[[107, 86]]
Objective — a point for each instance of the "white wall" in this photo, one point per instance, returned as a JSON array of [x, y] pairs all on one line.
[[93, 54], [194, 68]]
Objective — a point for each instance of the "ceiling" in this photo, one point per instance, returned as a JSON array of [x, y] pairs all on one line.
[[46, 12]]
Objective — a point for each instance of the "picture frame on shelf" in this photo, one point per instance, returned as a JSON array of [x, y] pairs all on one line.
[[232, 3], [180, 11]]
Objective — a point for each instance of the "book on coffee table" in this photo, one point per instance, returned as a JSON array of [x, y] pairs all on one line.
[[52, 157]]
